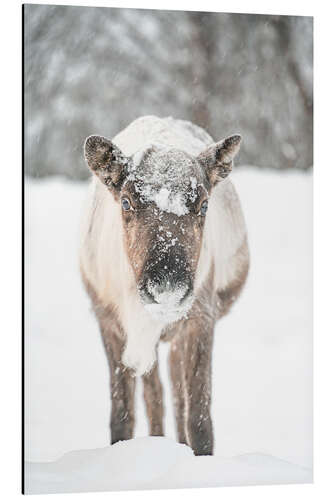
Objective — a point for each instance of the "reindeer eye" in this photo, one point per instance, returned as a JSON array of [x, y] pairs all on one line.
[[126, 204], [204, 208]]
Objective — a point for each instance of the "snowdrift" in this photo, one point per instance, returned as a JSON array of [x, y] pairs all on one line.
[[155, 463]]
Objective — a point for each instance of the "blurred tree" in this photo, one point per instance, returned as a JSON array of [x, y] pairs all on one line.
[[94, 70]]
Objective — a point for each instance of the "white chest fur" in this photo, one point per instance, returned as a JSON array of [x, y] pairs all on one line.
[[142, 336]]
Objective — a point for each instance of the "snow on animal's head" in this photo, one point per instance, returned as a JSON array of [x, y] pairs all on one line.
[[163, 196]]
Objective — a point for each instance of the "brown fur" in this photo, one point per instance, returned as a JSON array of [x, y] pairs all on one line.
[[191, 358], [190, 369], [157, 261], [122, 382], [143, 230], [153, 396]]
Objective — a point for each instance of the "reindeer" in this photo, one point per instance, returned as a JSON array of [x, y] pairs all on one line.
[[164, 255]]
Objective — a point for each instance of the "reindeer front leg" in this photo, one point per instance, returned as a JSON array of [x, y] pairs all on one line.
[[177, 373], [190, 370], [122, 391], [198, 358]]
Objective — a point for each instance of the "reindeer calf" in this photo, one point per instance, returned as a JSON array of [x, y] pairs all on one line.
[[164, 255]]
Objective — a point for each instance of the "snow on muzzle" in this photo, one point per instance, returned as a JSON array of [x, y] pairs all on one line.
[[166, 287]]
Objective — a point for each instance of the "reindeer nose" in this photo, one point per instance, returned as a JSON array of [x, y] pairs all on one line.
[[166, 280], [167, 291]]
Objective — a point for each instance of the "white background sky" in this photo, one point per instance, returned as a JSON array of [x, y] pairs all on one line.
[[323, 236]]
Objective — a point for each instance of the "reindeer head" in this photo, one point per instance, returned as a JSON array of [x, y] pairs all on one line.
[[163, 195]]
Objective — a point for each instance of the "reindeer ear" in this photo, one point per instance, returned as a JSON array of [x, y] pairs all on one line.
[[105, 160], [218, 158]]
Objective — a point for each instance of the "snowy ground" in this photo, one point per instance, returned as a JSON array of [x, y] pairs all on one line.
[[262, 371], [156, 463]]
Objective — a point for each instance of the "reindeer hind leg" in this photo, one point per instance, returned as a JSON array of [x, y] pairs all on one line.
[[153, 396], [177, 374]]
